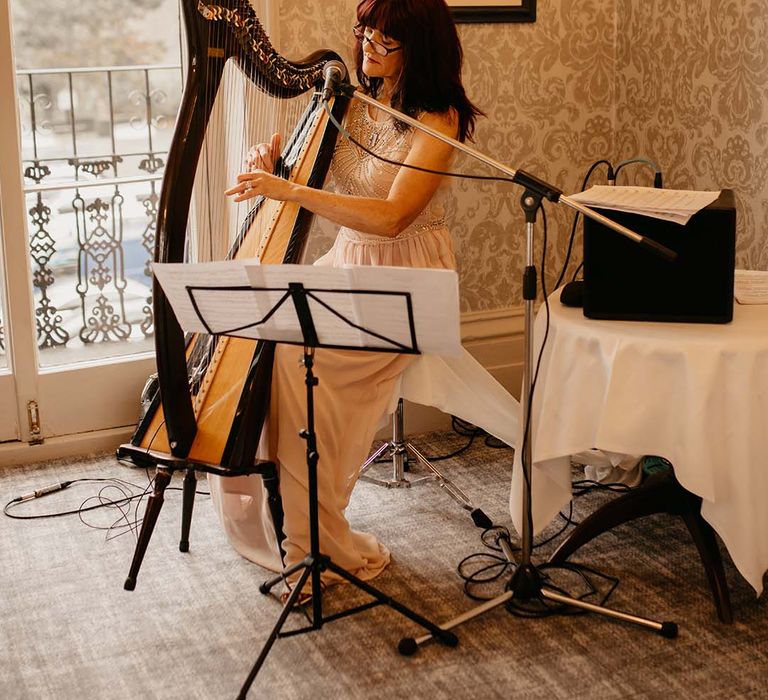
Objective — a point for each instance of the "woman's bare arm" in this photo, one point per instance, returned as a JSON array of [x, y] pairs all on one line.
[[409, 195]]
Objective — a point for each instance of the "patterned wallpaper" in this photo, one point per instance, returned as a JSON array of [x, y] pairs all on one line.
[[692, 81], [589, 80]]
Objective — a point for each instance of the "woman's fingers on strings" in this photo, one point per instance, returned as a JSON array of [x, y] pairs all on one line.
[[274, 149], [252, 158], [262, 156], [265, 158]]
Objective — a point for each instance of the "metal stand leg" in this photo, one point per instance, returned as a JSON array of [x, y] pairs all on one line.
[[399, 449], [527, 583]]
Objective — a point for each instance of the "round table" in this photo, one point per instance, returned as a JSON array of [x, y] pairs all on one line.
[[696, 394]]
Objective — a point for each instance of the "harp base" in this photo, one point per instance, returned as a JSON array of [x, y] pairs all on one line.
[[165, 465]]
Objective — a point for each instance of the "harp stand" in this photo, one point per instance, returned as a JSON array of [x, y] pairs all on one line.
[[526, 583], [316, 562]]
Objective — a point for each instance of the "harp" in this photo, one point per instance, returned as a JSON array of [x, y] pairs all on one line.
[[207, 406]]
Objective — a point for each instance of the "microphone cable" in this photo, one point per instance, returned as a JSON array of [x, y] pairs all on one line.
[[490, 567], [47, 490], [343, 131], [127, 494], [480, 569], [611, 176]]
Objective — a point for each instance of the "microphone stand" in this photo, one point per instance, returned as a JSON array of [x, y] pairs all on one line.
[[526, 582]]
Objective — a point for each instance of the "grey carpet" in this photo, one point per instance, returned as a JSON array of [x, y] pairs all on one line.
[[196, 621]]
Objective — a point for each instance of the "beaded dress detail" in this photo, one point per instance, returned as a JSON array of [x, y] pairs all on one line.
[[427, 241]]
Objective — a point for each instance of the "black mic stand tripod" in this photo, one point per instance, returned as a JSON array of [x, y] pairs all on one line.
[[526, 582]]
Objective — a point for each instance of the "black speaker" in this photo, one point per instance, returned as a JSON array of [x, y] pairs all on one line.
[[626, 282]]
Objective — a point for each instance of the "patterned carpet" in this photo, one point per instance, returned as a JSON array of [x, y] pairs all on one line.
[[196, 622]]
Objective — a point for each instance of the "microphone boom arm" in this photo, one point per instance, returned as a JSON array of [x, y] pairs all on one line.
[[519, 176]]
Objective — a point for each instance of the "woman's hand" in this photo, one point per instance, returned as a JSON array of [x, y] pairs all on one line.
[[264, 155], [260, 163], [258, 182]]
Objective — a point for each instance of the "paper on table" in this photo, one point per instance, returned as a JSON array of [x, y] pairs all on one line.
[[233, 298], [672, 205], [751, 286]]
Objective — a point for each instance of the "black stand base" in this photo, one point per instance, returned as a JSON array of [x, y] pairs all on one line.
[[525, 583], [659, 493], [313, 566]]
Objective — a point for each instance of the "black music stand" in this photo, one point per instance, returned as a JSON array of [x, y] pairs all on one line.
[[308, 304]]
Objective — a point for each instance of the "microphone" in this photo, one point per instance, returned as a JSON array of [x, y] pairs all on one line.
[[333, 73]]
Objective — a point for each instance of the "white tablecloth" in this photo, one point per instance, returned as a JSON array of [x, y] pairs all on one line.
[[696, 394]]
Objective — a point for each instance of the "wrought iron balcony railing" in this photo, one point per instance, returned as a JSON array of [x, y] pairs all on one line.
[[94, 145]]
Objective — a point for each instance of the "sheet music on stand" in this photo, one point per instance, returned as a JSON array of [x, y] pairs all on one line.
[[242, 298]]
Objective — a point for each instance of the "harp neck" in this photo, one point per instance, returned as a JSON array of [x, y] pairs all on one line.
[[232, 30]]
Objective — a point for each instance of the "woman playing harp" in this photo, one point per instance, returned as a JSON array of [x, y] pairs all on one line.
[[408, 56]]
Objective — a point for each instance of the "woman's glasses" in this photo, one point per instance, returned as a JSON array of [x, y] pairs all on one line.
[[378, 47]]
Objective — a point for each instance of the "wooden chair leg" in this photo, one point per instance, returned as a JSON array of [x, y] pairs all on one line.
[[154, 504], [704, 537], [659, 493], [188, 504]]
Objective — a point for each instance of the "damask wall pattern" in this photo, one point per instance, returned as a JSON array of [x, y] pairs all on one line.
[[588, 80], [692, 83]]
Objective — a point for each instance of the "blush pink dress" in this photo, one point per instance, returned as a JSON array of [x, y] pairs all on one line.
[[355, 388]]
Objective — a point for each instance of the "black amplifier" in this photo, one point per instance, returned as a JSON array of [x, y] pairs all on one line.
[[624, 281]]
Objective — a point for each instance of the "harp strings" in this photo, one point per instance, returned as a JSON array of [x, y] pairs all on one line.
[[242, 114]]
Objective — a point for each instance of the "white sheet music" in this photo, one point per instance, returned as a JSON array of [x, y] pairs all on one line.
[[354, 306], [672, 205], [238, 309]]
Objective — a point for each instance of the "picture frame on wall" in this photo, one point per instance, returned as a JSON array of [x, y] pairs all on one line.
[[493, 10]]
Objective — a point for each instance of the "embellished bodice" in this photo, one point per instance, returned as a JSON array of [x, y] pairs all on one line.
[[356, 172]]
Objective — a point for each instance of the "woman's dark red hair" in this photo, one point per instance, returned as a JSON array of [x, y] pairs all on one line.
[[432, 57]]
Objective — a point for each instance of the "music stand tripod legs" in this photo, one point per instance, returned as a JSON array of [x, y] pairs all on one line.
[[315, 562]]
